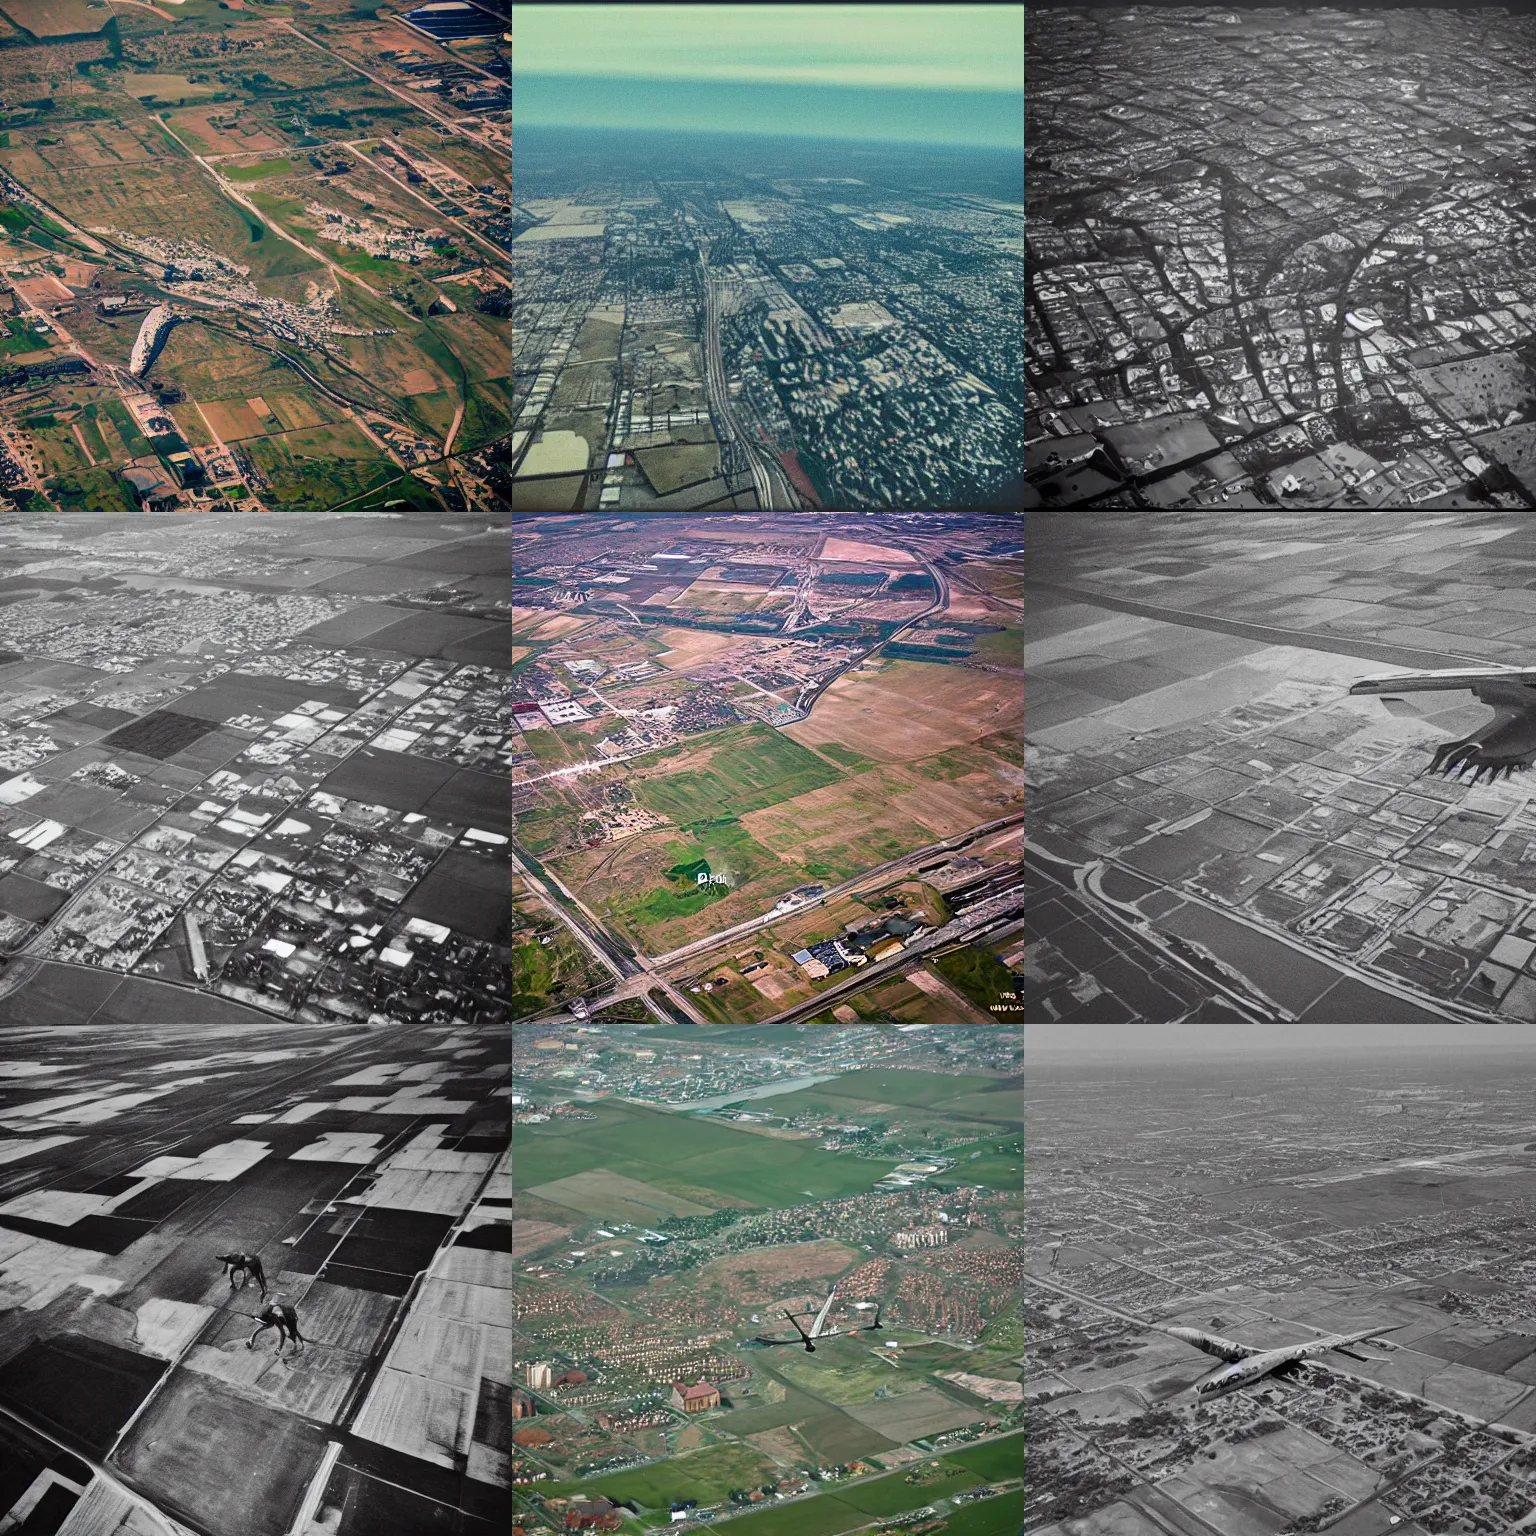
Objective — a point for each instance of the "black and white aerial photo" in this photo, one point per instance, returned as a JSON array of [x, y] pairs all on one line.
[[1280, 256]]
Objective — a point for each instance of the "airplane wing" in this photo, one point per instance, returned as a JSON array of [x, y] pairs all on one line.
[[1213, 1343], [1452, 677], [821, 1317], [1499, 746]]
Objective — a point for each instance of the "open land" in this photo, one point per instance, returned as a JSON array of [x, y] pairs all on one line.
[[610, 1311], [738, 749]]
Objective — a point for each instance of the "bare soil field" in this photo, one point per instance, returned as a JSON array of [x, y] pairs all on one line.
[[765, 1274], [543, 628], [233, 420], [420, 381], [850, 549], [691, 647], [880, 814], [530, 1236], [937, 706]]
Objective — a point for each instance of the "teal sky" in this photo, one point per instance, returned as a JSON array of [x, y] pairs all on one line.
[[936, 73]]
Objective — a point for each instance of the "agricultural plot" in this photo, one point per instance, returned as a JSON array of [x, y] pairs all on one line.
[[915, 1415], [994, 1461], [894, 1000], [1002, 1516], [630, 881], [707, 1476], [684, 1155], [767, 1274], [612, 1197], [894, 1495], [310, 471], [906, 1087], [938, 706], [977, 973], [735, 771], [847, 1372], [825, 1515], [671, 468]]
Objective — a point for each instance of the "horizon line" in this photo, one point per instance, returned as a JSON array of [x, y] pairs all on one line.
[[796, 84], [750, 133]]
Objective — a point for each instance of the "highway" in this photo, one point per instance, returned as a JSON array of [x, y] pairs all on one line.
[[881, 873], [1000, 910], [774, 492]]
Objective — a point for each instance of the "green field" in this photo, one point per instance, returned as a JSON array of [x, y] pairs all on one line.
[[835, 1437], [825, 1515], [828, 1514], [707, 1476], [898, 1086], [279, 167], [894, 1495], [316, 468], [166, 88], [127, 427], [979, 974], [545, 973], [753, 766], [1004, 649], [846, 1371], [994, 1462], [795, 1407], [91, 490], [989, 1517], [845, 755], [723, 848], [681, 1154], [998, 1163]]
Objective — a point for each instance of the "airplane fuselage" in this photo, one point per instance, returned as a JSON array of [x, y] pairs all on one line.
[[1252, 1367]]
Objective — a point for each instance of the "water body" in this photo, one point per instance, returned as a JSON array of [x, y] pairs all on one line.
[[766, 1091]]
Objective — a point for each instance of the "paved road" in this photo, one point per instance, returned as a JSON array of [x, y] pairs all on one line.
[[485, 141], [879, 874]]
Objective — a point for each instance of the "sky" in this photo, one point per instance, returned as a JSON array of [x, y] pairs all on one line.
[[942, 74]]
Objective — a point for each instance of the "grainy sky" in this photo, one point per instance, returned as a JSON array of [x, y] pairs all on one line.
[[940, 73]]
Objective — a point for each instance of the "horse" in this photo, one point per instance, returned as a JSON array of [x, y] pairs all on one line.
[[279, 1315], [245, 1265]]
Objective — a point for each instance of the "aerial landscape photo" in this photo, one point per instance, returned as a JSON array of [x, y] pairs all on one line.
[[768, 1279], [768, 257], [1279, 256], [767, 768], [1279, 767], [1277, 1280], [255, 727]]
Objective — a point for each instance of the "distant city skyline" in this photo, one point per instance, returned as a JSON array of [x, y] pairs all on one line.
[[937, 74]]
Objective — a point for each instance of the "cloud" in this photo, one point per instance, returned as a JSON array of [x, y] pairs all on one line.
[[911, 47]]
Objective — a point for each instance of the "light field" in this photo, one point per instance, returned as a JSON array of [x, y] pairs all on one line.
[[612, 1197], [938, 707]]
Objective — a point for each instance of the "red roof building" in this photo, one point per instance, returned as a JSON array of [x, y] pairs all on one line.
[[695, 1399]]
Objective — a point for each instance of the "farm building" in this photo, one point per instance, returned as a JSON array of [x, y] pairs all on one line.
[[698, 1398]]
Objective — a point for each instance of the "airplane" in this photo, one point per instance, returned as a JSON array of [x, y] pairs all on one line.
[[1244, 1364], [819, 1329], [1497, 748]]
